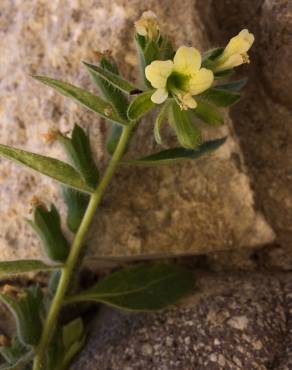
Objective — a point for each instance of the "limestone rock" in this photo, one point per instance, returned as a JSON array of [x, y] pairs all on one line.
[[232, 322], [192, 208], [263, 119]]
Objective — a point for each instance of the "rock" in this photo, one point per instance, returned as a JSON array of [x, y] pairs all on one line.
[[192, 208], [232, 322], [263, 119]]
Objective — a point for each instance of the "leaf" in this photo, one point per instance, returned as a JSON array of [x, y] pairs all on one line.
[[22, 266], [112, 78], [188, 135], [159, 121], [79, 152], [141, 288], [208, 113], [86, 98], [108, 91], [220, 97], [76, 206], [140, 105], [48, 166], [47, 225], [113, 138], [223, 74], [20, 364], [233, 85], [173, 155], [14, 352], [72, 331], [26, 311]]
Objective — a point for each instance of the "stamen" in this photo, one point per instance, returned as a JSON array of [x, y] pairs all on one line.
[[245, 58]]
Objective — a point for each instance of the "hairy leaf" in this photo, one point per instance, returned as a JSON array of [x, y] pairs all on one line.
[[112, 78], [20, 364], [86, 98], [21, 266], [47, 225], [140, 105], [173, 155], [79, 152], [161, 117], [221, 97], [48, 166], [26, 309], [76, 203], [188, 135], [208, 113], [233, 85], [141, 288]]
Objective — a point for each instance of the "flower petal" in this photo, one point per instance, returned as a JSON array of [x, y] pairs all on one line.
[[158, 72], [159, 96], [231, 62], [239, 44], [187, 60], [200, 81]]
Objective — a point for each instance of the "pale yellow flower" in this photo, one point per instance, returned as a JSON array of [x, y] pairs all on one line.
[[147, 25], [235, 52], [181, 78]]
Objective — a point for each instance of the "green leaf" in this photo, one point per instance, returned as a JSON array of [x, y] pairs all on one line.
[[22, 266], [72, 332], [140, 105], [76, 204], [188, 135], [47, 225], [208, 113], [51, 167], [109, 91], [166, 50], [141, 288], [223, 74], [86, 98], [213, 54], [26, 311], [14, 352], [111, 78], [113, 138], [20, 364], [233, 85], [174, 155], [220, 97], [79, 152], [159, 121]]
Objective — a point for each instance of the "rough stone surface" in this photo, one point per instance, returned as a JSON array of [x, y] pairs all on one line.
[[191, 208], [232, 322]]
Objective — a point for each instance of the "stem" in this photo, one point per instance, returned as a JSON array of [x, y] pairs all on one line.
[[76, 248]]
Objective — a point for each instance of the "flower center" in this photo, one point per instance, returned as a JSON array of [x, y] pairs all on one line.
[[177, 81]]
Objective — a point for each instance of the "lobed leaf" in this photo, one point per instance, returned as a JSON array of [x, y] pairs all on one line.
[[47, 225], [22, 266], [173, 155], [48, 166], [26, 311], [86, 98], [79, 152], [140, 105], [141, 288]]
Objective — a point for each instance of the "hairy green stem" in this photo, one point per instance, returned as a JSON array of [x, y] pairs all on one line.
[[75, 252]]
